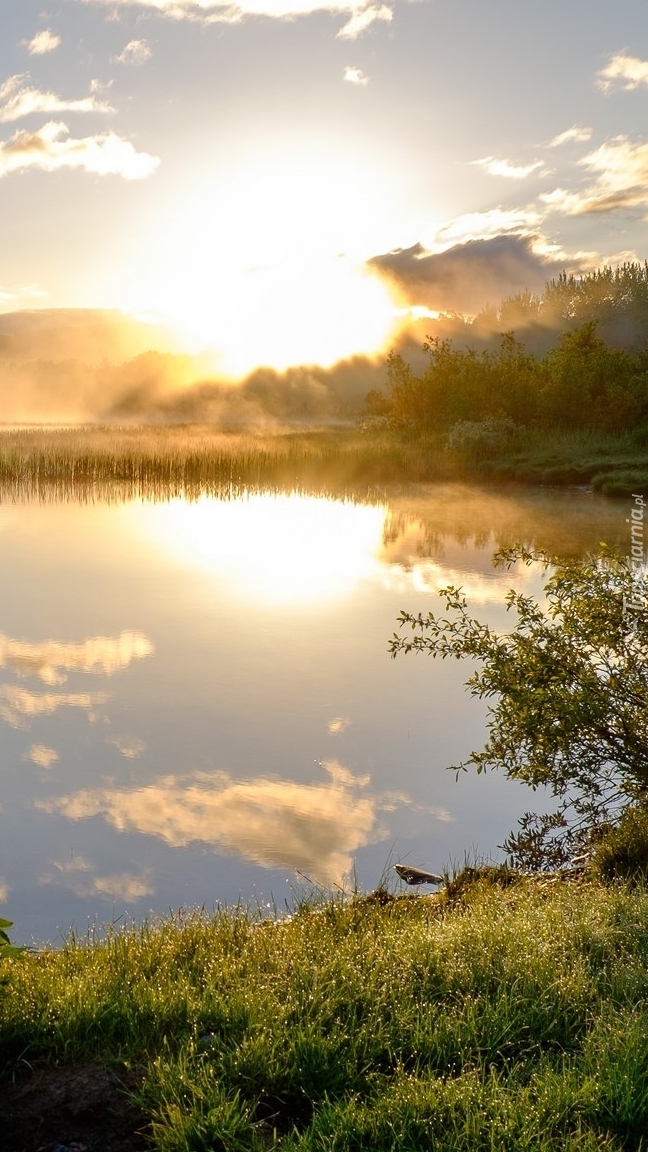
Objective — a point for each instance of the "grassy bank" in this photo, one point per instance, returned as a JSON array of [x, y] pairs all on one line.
[[196, 459], [508, 1017]]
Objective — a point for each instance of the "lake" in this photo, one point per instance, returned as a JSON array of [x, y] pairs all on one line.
[[197, 704]]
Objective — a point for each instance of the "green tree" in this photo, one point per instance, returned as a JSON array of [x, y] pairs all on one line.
[[569, 692], [588, 383]]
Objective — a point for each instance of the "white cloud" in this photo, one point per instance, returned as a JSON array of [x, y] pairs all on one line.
[[17, 99], [135, 52], [100, 85], [496, 167], [621, 168], [577, 134], [51, 148], [45, 41], [42, 756], [484, 225], [360, 14], [4, 891], [26, 292], [363, 19], [621, 67], [355, 76]]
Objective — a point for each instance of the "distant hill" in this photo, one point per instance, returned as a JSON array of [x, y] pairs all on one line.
[[87, 335]]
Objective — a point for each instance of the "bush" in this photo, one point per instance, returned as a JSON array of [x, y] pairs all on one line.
[[569, 683], [479, 438], [622, 852]]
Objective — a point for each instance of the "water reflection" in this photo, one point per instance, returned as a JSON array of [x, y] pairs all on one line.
[[51, 661], [313, 828], [277, 548], [231, 645], [41, 755], [76, 876], [19, 707]]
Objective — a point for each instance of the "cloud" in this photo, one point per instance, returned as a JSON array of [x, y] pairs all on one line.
[[504, 168], [621, 182], [577, 134], [313, 828], [42, 756], [355, 76], [17, 99], [45, 41], [629, 71], [51, 661], [26, 292], [488, 225], [18, 706], [135, 52], [466, 277], [50, 149], [360, 21], [360, 15], [4, 891]]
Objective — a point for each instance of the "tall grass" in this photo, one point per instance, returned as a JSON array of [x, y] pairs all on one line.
[[509, 1019], [190, 460]]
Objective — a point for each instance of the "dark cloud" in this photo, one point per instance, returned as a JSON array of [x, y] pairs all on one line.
[[468, 276]]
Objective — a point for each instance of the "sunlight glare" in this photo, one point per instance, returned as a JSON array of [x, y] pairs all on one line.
[[266, 266], [281, 549], [282, 316]]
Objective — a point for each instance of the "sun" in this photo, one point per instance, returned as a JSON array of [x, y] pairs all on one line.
[[285, 315], [266, 268]]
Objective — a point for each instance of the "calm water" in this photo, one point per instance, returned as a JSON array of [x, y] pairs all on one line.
[[197, 704]]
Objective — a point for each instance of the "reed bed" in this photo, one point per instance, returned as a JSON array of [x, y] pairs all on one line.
[[95, 462], [193, 460], [509, 1018]]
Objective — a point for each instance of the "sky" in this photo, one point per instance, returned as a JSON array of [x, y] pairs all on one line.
[[285, 180]]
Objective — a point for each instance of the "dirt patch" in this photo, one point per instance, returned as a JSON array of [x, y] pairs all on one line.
[[80, 1109]]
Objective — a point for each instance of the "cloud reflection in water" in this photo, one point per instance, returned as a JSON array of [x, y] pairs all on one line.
[[50, 660], [312, 828], [18, 706], [42, 756], [75, 874]]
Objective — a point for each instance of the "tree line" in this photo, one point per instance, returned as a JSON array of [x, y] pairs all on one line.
[[594, 376]]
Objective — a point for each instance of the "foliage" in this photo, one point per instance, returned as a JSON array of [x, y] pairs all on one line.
[[462, 384], [589, 370], [8, 951], [477, 438], [517, 1020], [569, 685], [621, 851]]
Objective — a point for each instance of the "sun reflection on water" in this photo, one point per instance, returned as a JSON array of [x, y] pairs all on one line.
[[273, 548]]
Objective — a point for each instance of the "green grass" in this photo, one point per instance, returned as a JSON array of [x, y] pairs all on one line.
[[613, 465], [504, 1018]]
